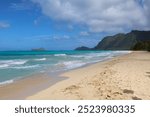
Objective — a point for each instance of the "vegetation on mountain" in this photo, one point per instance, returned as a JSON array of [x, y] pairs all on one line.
[[135, 40]]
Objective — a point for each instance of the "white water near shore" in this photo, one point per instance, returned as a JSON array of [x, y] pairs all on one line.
[[14, 66]]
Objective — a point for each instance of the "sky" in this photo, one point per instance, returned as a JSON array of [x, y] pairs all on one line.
[[67, 24]]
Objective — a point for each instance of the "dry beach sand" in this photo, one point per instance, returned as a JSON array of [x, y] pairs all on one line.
[[124, 77]]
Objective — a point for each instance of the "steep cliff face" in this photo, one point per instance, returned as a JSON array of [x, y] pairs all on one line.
[[125, 41]]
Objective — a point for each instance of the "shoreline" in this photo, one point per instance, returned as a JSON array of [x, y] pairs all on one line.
[[102, 80], [56, 73], [20, 89], [121, 78], [27, 86]]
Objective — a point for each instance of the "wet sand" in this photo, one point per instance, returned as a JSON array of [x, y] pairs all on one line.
[[22, 88], [122, 78]]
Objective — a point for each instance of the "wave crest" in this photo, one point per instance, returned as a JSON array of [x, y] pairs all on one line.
[[60, 55], [41, 59], [71, 64], [6, 82], [8, 63]]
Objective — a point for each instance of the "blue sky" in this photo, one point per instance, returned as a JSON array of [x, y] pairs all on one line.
[[63, 25]]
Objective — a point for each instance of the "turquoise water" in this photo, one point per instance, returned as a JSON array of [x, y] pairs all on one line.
[[19, 64]]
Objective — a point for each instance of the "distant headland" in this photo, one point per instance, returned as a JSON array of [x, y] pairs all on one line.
[[38, 49], [135, 40]]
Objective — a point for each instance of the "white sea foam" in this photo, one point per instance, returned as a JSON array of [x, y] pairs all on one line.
[[41, 59], [90, 55], [8, 63], [100, 54], [63, 62], [6, 82], [26, 67], [13, 62], [77, 56], [60, 55], [19, 62], [71, 64], [4, 66]]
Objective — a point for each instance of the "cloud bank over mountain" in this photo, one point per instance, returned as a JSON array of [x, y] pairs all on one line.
[[100, 15]]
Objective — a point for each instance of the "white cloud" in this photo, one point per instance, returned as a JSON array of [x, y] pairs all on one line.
[[4, 24], [84, 33], [66, 37], [100, 15], [48, 37], [21, 5], [56, 37]]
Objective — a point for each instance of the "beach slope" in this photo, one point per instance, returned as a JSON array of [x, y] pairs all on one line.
[[125, 77]]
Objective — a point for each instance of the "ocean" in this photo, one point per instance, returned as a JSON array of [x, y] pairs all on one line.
[[15, 65]]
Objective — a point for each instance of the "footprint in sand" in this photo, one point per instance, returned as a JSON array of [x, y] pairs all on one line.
[[72, 87], [74, 90], [128, 91], [136, 98], [148, 74], [117, 93]]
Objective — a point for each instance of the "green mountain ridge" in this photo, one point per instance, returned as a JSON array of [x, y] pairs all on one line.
[[135, 40]]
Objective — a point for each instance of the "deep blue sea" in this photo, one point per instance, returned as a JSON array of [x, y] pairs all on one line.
[[16, 65]]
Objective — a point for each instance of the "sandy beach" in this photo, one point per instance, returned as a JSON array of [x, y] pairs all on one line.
[[22, 88], [122, 78]]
